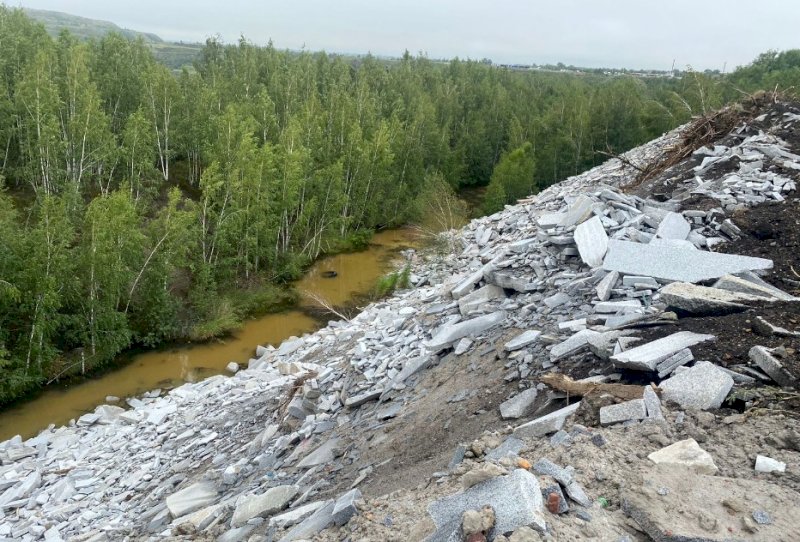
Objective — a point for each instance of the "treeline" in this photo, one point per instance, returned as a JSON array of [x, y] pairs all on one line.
[[143, 205]]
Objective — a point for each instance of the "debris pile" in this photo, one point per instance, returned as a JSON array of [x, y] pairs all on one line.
[[600, 321]]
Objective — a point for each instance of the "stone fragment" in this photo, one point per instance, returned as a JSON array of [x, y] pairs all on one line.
[[324, 454], [703, 497], [580, 210], [462, 346], [576, 493], [451, 333], [592, 241], [553, 496], [647, 356], [296, 515], [557, 299], [696, 300], [232, 367], [549, 423], [751, 284], [361, 398], [265, 504], [676, 264], [762, 327], [703, 387], [673, 226], [319, 520], [652, 404], [771, 365], [522, 340], [191, 498], [686, 453], [478, 299], [605, 286], [345, 507], [618, 307], [577, 342], [678, 359], [519, 405], [623, 412], [516, 499], [476, 522], [767, 464], [547, 468], [481, 473], [510, 447]]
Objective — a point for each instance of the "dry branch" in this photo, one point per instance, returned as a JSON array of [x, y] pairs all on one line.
[[624, 392]]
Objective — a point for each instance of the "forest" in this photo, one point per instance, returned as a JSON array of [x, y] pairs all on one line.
[[141, 205]]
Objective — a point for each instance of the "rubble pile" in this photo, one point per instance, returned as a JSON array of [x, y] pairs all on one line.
[[584, 294]]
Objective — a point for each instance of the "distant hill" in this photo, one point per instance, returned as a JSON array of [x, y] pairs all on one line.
[[172, 54]]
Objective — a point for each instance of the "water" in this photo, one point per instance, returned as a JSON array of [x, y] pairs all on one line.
[[356, 275]]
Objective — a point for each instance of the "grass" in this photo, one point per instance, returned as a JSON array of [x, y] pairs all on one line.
[[388, 284]]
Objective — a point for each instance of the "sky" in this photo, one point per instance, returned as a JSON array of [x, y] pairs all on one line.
[[652, 34]]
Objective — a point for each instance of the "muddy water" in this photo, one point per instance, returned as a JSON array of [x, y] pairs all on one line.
[[356, 274]]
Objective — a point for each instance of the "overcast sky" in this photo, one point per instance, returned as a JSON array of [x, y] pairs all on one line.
[[594, 33]]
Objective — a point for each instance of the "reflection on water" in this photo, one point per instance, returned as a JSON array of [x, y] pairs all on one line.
[[356, 273]]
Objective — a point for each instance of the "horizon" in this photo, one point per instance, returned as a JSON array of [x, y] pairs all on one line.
[[610, 35]]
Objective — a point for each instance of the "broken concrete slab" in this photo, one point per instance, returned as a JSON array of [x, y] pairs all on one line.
[[647, 356], [673, 226], [687, 298], [703, 387], [451, 333], [544, 425], [522, 340], [519, 405], [676, 264], [265, 504], [191, 498], [592, 242], [685, 453], [709, 499], [516, 499], [771, 365], [623, 412]]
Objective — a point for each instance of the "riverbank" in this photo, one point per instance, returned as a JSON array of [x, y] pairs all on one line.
[[356, 274]]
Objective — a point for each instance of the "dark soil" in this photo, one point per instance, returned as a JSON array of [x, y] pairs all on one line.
[[735, 336]]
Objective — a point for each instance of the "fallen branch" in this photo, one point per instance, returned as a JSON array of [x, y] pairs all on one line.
[[324, 304], [624, 392]]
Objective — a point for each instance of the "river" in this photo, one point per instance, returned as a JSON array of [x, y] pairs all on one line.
[[169, 367]]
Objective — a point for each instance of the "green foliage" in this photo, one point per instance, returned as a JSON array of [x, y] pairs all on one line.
[[397, 280], [438, 208], [512, 178]]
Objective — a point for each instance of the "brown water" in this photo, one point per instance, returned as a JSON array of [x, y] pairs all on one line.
[[356, 275]]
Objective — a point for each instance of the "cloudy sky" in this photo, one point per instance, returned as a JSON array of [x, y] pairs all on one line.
[[619, 33]]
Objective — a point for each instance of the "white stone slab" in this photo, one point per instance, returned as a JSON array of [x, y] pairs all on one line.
[[676, 264], [592, 242]]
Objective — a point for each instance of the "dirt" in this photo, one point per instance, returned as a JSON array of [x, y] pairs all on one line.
[[608, 472]]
